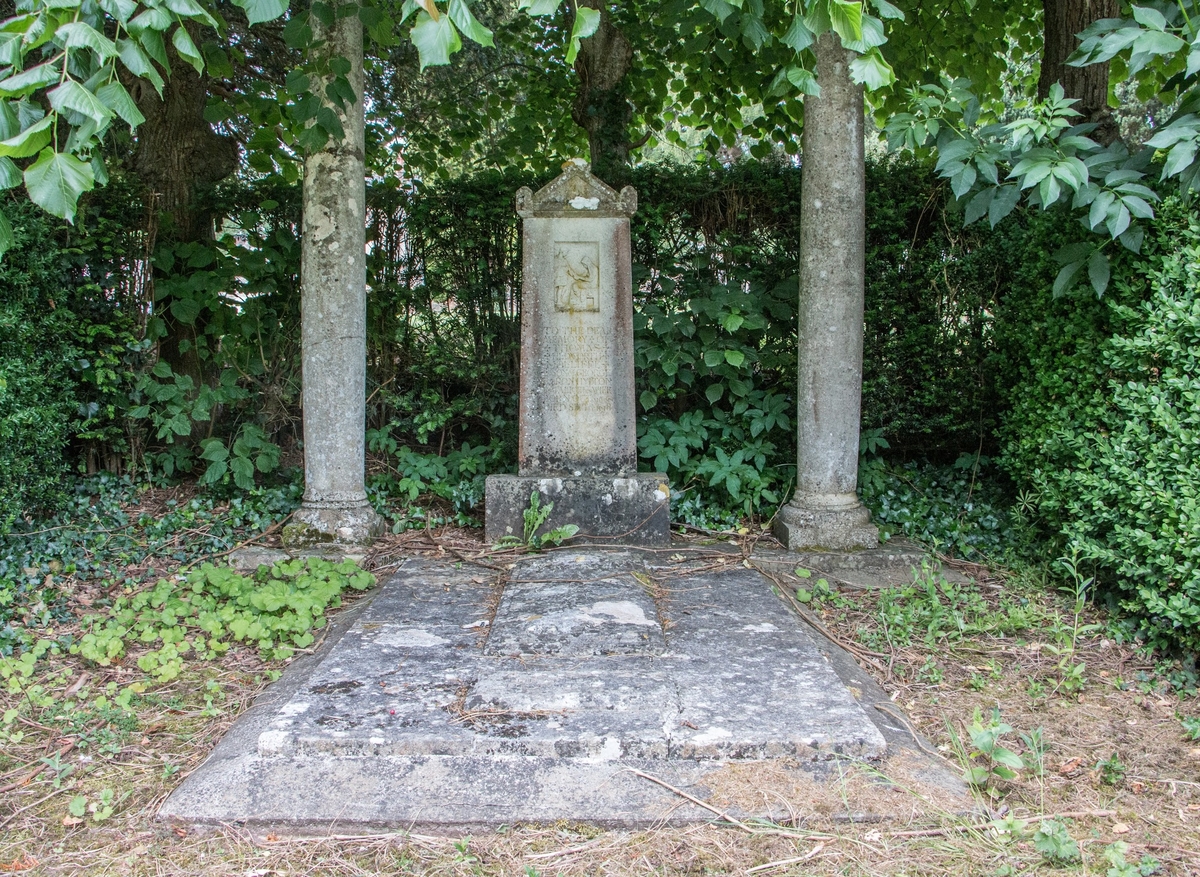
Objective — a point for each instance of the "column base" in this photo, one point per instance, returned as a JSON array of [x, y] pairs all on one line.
[[315, 524], [629, 510], [843, 529]]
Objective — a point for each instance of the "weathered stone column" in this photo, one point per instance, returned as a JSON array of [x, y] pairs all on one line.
[[825, 511], [333, 307]]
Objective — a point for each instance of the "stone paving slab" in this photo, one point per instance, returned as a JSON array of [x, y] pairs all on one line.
[[460, 698]]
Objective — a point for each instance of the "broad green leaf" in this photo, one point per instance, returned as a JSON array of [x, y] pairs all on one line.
[[152, 42], [586, 22], [78, 35], [648, 399], [803, 80], [1003, 204], [846, 18], [436, 41], [29, 80], [539, 7], [182, 41], [1152, 42], [1066, 278], [56, 180], [735, 358], [6, 238], [10, 49], [119, 100], [714, 393], [10, 175], [150, 18], [262, 10], [713, 358], [461, 15], [119, 9], [73, 97], [29, 142], [872, 71], [887, 10], [1148, 17], [978, 206], [10, 125], [1098, 272], [798, 36]]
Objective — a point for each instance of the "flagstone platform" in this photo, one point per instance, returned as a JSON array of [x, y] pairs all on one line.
[[463, 697]]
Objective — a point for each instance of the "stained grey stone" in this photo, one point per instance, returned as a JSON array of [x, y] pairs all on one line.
[[419, 714]]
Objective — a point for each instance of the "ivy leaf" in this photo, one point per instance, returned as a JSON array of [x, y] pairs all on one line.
[[56, 180], [461, 15], [262, 10], [436, 40]]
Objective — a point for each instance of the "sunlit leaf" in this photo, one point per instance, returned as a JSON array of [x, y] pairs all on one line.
[[56, 180]]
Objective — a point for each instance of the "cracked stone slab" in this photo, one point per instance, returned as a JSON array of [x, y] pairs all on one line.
[[457, 698]]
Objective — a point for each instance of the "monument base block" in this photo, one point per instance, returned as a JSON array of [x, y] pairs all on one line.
[[627, 510], [804, 529], [317, 524]]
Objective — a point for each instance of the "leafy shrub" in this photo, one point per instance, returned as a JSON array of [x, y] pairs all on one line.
[[1105, 434]]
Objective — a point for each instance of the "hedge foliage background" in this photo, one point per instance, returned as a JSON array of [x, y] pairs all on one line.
[[987, 404]]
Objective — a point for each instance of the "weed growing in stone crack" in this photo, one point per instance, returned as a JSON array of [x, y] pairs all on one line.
[[534, 517]]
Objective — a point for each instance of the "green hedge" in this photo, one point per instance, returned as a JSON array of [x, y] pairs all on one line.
[[63, 351], [1103, 434]]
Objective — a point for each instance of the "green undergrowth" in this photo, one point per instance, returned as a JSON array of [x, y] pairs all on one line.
[[964, 509], [106, 536], [197, 615]]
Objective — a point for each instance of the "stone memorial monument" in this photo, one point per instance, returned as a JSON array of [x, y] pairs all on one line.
[[578, 437]]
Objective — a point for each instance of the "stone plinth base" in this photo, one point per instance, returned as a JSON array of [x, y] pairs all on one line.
[[849, 529], [317, 524], [632, 510]]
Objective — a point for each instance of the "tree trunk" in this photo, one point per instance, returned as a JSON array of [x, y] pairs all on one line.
[[333, 316], [825, 511], [1089, 85], [178, 155], [601, 105]]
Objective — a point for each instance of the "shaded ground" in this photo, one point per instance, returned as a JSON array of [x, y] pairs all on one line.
[[1116, 766]]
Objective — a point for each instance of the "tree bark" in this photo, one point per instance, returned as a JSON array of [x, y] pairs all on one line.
[[333, 316], [825, 511], [601, 105], [1063, 19]]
